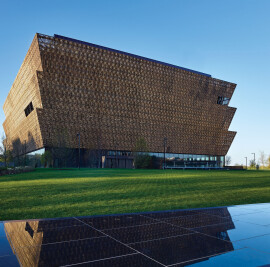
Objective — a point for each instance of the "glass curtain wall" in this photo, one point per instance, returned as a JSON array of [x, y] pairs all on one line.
[[174, 160]]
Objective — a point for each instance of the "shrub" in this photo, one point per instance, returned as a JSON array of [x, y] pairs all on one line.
[[142, 161], [16, 170]]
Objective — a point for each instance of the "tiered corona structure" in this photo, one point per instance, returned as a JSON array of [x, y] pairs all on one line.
[[68, 89]]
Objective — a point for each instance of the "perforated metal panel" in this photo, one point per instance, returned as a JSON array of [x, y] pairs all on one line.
[[113, 99]]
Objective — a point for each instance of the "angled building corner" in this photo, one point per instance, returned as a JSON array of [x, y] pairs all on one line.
[[23, 104]]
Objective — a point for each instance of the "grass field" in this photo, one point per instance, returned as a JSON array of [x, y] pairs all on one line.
[[47, 193]]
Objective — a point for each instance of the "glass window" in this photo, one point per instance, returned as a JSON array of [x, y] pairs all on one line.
[[226, 101], [28, 109], [223, 100], [220, 100]]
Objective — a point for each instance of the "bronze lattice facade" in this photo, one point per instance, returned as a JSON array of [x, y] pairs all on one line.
[[112, 98]]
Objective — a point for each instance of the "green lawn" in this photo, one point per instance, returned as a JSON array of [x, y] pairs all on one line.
[[47, 193]]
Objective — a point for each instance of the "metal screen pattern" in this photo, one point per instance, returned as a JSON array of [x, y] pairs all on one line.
[[113, 99]]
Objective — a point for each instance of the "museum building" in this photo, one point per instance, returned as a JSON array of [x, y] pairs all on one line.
[[90, 105]]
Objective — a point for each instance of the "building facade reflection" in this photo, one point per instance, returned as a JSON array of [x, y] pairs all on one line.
[[61, 242]]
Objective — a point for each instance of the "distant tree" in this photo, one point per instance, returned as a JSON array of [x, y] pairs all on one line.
[[17, 151], [262, 158], [228, 160], [252, 163], [142, 159], [34, 160], [268, 161], [141, 145], [5, 151], [46, 159], [42, 159]]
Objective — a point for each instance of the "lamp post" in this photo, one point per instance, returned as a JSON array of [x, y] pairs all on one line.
[[79, 148], [164, 159], [246, 162]]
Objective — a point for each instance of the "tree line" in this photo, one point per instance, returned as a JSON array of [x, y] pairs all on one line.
[[263, 161]]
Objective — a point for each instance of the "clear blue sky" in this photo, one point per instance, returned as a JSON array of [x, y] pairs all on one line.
[[228, 39]]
